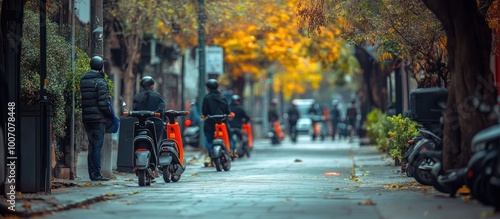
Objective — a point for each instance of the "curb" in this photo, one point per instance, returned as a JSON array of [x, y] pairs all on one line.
[[27, 212]]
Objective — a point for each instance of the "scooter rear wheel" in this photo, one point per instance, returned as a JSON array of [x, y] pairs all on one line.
[[423, 177], [218, 165], [176, 178], [142, 177], [226, 165], [166, 174]]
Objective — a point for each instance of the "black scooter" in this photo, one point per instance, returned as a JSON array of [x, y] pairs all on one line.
[[171, 150], [145, 160], [220, 145], [419, 165]]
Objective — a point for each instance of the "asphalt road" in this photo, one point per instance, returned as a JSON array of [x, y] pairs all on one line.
[[304, 180]]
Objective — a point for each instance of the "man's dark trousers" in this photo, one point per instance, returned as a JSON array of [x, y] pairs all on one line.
[[95, 132]]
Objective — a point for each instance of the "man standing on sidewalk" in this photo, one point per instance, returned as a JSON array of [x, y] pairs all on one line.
[[95, 113]]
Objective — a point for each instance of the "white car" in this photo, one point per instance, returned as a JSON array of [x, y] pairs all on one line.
[[304, 123]]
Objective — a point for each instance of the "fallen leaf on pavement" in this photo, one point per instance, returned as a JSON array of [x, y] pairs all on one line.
[[367, 202], [110, 195], [86, 184], [331, 174], [129, 179], [298, 160], [26, 205], [134, 192], [194, 174]]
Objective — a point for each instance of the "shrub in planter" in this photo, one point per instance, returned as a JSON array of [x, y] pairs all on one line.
[[402, 130], [371, 124], [378, 128]]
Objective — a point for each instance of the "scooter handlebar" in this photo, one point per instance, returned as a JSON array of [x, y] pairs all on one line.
[[175, 113], [141, 113]]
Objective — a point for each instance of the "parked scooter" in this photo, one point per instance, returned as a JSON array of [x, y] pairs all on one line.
[[191, 134], [479, 171], [420, 166], [145, 160], [220, 145], [411, 148], [483, 167], [171, 150]]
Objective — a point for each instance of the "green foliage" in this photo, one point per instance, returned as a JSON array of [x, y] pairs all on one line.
[[371, 121], [59, 75], [402, 130], [58, 58], [378, 127]]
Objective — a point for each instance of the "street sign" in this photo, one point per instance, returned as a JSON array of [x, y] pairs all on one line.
[[214, 56]]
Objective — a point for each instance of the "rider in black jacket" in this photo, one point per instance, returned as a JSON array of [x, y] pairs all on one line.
[[95, 111], [213, 104], [240, 115], [149, 99]]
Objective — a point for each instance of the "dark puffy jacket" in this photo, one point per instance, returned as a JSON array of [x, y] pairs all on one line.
[[149, 99], [239, 115], [95, 97], [214, 104]]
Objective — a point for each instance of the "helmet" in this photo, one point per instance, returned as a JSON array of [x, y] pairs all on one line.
[[274, 101], [335, 102], [212, 84], [147, 81], [236, 99], [96, 63]]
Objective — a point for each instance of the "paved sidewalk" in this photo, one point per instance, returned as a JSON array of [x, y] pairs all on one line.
[[79, 193], [369, 165]]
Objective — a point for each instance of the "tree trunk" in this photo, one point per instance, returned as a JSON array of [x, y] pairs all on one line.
[[374, 86], [471, 83], [133, 46]]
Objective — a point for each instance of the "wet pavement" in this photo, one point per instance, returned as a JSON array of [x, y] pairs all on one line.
[[330, 179]]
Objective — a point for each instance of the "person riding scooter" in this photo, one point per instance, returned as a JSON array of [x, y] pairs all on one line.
[[213, 104], [240, 116], [149, 99]]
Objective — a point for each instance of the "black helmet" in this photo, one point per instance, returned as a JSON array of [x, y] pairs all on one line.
[[236, 99], [212, 84], [96, 63], [147, 81]]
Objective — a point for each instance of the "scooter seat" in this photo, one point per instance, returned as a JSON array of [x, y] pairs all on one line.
[[436, 155]]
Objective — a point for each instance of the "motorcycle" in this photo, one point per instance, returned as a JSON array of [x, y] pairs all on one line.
[[171, 150], [220, 145], [145, 159]]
